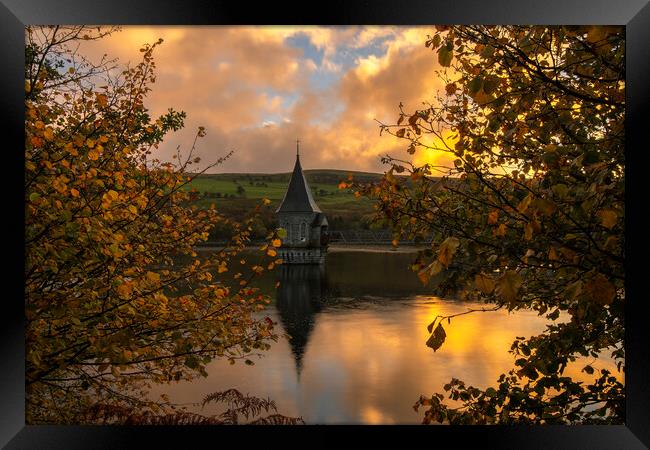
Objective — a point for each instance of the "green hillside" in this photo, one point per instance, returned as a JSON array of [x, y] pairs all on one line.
[[237, 194], [273, 186]]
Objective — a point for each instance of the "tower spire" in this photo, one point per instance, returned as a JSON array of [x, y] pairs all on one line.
[[298, 197]]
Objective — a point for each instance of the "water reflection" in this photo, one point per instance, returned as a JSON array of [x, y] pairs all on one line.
[[357, 352], [298, 301]]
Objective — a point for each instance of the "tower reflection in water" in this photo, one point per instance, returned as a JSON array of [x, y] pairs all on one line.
[[299, 299]]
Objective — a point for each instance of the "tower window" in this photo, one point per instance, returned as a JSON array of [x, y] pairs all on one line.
[[294, 232]]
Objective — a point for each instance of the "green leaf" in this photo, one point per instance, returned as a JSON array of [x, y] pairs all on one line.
[[192, 362], [445, 54], [34, 196], [560, 190], [590, 157], [528, 371], [475, 85], [490, 85]]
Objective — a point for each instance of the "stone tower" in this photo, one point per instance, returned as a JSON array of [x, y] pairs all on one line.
[[306, 225]]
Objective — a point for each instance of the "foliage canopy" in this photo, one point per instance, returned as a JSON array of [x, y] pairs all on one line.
[[530, 215], [115, 295]]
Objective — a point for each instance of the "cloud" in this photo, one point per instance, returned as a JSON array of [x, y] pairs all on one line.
[[254, 90]]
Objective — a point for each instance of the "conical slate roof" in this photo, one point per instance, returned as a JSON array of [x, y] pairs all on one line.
[[298, 197]]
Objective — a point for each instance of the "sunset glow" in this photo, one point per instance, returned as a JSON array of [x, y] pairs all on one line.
[[256, 89]]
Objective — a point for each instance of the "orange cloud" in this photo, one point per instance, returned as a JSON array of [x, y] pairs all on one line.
[[255, 92]]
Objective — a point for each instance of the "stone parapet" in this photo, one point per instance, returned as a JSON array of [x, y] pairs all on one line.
[[302, 255]]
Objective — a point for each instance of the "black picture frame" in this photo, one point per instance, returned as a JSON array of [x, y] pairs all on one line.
[[634, 14]]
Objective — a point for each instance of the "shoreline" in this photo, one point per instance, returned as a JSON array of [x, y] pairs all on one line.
[[338, 248], [341, 248]]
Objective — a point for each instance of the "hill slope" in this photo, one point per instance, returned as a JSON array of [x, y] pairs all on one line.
[[237, 194]]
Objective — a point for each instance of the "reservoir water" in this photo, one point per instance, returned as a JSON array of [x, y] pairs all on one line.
[[356, 350]]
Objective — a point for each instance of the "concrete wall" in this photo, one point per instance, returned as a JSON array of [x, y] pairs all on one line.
[[302, 255]]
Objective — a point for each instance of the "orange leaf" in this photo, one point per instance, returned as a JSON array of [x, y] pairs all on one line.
[[493, 217], [48, 134], [608, 218]]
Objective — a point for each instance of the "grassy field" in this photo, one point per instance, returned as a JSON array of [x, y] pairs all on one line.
[[236, 194], [323, 183]]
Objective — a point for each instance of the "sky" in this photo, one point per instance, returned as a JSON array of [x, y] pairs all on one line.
[[258, 89]]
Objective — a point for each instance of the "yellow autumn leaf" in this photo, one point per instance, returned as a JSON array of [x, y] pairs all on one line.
[[271, 252], [124, 290], [484, 283], [447, 250], [608, 218], [601, 290], [74, 192], [153, 277], [93, 155], [547, 207], [424, 277], [509, 285], [102, 99], [429, 271], [69, 147], [48, 134], [528, 231], [276, 242], [523, 205]]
